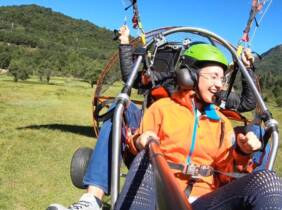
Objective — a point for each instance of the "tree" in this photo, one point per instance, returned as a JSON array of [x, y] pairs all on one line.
[[279, 101], [5, 59], [18, 70], [45, 70], [91, 72], [37, 35], [277, 91]]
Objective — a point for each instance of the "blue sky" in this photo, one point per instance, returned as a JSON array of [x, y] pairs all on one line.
[[226, 18]]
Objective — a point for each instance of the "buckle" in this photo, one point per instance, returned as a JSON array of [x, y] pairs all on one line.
[[206, 170], [195, 171]]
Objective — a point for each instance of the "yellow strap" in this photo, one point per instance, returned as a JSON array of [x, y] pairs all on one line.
[[143, 38], [239, 50], [140, 25]]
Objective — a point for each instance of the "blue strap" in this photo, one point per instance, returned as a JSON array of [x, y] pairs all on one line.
[[211, 112], [196, 122]]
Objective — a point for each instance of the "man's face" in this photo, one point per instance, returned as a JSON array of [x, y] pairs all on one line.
[[210, 82]]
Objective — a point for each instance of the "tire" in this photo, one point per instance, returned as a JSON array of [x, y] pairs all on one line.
[[79, 165]]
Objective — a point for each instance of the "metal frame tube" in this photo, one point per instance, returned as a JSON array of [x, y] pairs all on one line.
[[116, 135], [169, 194], [122, 100], [274, 150], [133, 74]]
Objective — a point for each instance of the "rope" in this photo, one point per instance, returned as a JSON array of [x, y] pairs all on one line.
[[258, 22]]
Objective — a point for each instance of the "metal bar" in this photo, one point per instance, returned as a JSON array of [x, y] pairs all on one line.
[[169, 195], [116, 135], [274, 149], [133, 74], [122, 100]]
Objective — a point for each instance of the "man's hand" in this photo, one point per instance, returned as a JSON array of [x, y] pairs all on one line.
[[124, 34], [144, 138], [247, 57], [248, 143]]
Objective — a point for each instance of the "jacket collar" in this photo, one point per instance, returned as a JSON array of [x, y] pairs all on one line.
[[185, 98]]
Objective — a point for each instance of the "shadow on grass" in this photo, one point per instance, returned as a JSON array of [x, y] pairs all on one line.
[[77, 129]]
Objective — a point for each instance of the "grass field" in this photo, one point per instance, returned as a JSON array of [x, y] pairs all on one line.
[[40, 128]]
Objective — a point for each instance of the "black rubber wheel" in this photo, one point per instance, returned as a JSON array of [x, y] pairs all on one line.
[[78, 166]]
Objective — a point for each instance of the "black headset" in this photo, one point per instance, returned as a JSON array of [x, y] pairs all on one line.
[[186, 77]]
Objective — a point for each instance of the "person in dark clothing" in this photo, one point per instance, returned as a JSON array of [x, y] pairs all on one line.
[[98, 175], [246, 100]]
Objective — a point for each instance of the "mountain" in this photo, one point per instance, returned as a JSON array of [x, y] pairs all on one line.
[[269, 69], [271, 62], [40, 41]]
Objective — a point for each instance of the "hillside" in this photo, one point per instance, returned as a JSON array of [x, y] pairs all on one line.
[[271, 61], [269, 70], [39, 41]]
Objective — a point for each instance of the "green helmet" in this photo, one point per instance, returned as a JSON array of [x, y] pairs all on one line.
[[202, 53]]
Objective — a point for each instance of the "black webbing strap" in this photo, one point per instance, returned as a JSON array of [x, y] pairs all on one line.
[[235, 175], [190, 185], [176, 166], [103, 117], [231, 82]]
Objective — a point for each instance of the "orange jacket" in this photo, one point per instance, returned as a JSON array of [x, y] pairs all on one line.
[[172, 119]]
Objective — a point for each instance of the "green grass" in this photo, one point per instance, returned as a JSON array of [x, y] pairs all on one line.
[[40, 128]]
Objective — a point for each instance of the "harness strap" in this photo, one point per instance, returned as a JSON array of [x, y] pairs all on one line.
[[103, 117], [189, 187], [231, 83], [235, 175], [193, 170], [202, 170]]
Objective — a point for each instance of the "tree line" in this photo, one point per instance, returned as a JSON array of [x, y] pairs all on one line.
[[269, 71], [38, 41]]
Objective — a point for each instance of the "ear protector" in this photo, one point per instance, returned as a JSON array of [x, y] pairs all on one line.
[[186, 77]]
